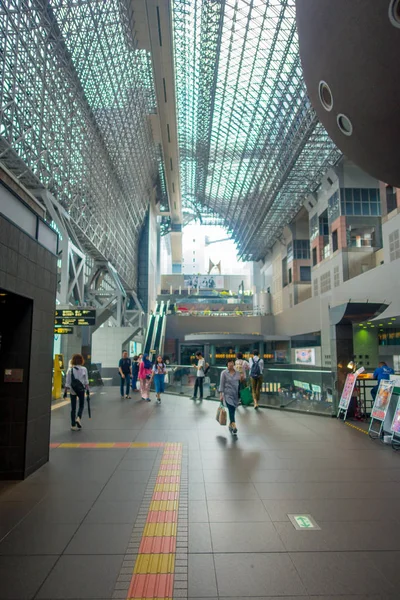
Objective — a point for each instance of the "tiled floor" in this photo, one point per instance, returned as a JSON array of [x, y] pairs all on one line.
[[65, 531]]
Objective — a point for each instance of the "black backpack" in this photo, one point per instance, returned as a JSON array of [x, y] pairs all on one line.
[[76, 385], [255, 371]]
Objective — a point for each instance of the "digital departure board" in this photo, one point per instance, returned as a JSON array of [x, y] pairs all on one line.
[[63, 330], [75, 317]]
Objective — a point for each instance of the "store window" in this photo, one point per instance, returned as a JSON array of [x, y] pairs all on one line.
[[334, 240], [391, 199], [314, 232], [360, 202], [314, 257], [305, 273]]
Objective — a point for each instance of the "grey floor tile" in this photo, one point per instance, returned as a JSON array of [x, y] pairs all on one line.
[[197, 491], [22, 576], [199, 538], [241, 575], [333, 509], [340, 536], [60, 511], [123, 491], [34, 537], [198, 512], [201, 576], [235, 511], [231, 491], [302, 491], [113, 512], [245, 537], [196, 476], [327, 573], [100, 538], [388, 563], [125, 477], [83, 577], [233, 476], [135, 464]]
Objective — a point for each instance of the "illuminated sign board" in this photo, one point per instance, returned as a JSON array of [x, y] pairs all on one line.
[[70, 317], [63, 330]]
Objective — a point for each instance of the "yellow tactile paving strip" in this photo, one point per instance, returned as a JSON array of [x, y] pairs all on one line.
[[153, 572]]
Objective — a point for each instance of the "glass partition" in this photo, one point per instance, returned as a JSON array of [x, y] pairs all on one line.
[[284, 386]]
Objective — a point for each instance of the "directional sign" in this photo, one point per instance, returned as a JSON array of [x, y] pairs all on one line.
[[75, 316], [303, 522], [63, 330]]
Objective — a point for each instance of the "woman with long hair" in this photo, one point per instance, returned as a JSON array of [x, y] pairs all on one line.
[[77, 382], [145, 371]]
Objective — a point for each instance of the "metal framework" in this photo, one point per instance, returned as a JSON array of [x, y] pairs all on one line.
[[251, 146], [75, 97]]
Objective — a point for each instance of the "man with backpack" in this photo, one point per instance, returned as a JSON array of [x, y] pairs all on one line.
[[256, 376]]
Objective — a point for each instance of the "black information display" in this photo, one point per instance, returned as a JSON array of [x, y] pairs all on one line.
[[63, 330], [75, 316]]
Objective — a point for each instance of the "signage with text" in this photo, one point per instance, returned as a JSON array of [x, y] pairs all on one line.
[[75, 316], [63, 330]]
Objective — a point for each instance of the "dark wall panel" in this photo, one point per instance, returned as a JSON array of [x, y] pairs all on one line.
[[30, 271]]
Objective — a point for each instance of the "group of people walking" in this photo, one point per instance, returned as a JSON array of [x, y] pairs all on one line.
[[140, 368], [233, 380]]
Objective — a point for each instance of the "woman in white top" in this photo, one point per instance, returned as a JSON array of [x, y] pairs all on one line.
[[242, 367], [77, 382]]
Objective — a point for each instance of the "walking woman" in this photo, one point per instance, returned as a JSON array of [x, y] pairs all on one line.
[[77, 382], [228, 390], [159, 371], [145, 371]]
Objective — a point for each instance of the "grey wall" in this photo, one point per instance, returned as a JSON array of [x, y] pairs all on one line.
[[29, 270], [179, 326]]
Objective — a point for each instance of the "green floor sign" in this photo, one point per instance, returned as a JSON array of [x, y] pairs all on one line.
[[303, 522]]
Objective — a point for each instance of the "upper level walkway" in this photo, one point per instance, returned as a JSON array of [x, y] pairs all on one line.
[[161, 502]]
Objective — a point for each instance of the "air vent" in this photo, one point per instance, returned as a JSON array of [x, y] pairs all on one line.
[[159, 26], [165, 90]]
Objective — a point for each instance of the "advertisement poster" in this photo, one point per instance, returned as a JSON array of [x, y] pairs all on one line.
[[204, 282], [347, 391], [305, 356], [382, 400], [396, 420]]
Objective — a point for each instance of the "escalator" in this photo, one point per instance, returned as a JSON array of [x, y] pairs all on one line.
[[160, 329], [150, 332], [155, 336]]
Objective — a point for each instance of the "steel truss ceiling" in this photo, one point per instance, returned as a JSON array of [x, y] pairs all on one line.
[[250, 144], [75, 98]]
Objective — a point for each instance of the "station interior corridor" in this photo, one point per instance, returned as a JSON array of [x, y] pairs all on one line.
[[161, 502]]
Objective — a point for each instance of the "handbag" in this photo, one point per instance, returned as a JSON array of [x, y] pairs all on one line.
[[246, 396], [221, 415]]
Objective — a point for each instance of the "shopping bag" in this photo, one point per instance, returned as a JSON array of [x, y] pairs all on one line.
[[221, 415], [246, 396]]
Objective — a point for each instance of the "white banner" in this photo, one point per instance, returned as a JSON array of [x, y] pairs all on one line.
[[204, 282]]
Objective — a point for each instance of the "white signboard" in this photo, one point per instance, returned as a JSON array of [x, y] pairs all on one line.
[[204, 282]]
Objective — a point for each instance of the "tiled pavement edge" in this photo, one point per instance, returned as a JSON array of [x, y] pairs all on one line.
[[156, 561]]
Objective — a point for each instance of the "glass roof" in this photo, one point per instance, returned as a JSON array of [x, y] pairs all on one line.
[[250, 143]]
